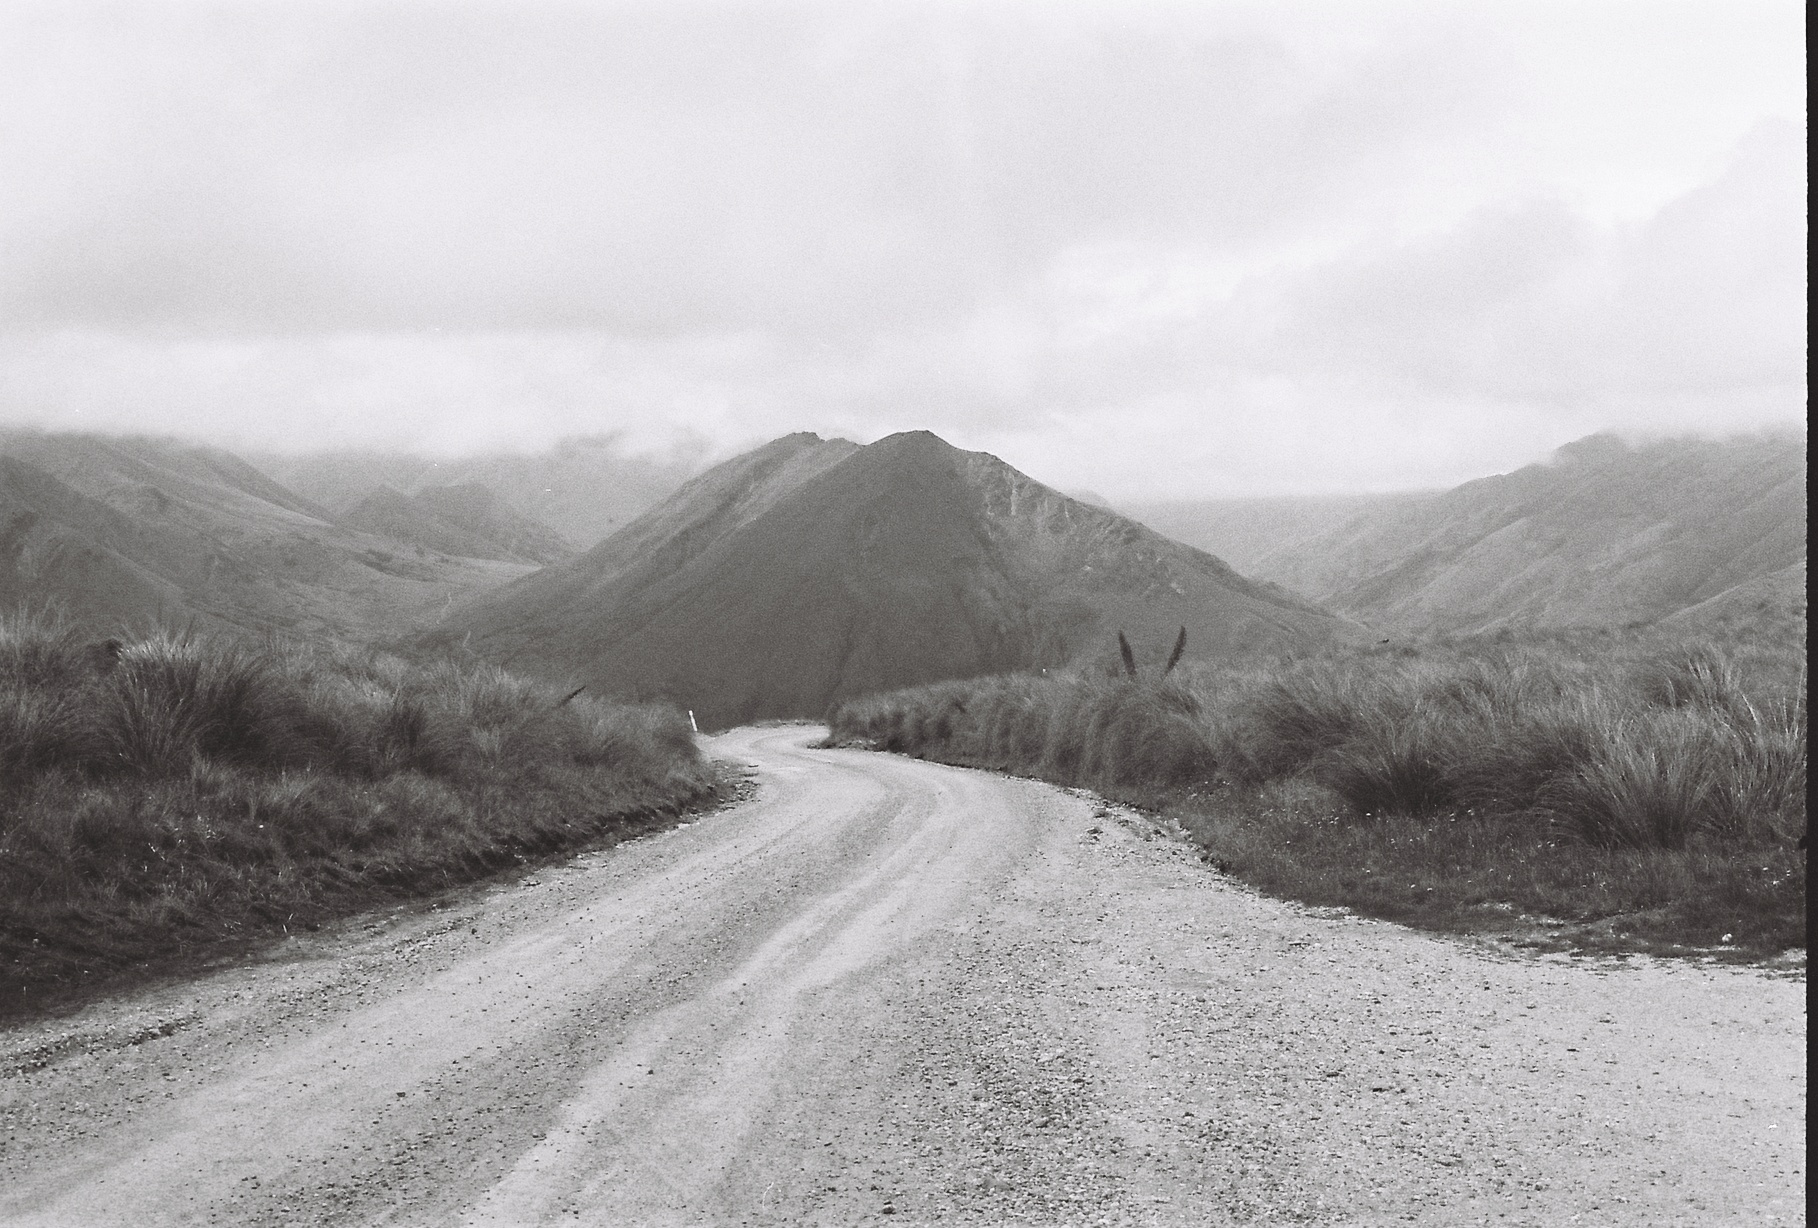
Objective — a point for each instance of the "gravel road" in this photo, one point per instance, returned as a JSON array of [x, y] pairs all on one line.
[[884, 991]]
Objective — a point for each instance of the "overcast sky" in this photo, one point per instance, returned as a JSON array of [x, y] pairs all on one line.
[[1151, 250]]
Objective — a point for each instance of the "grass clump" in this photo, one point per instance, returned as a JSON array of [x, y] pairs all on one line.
[[161, 796], [1640, 789]]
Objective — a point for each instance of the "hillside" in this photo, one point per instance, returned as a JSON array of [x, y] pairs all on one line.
[[59, 545], [1605, 534], [468, 519], [582, 488], [812, 570], [123, 533], [1245, 532]]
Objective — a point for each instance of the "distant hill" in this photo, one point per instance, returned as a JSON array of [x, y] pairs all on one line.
[[583, 488], [1775, 601], [123, 533], [468, 519], [811, 570], [1244, 532], [1605, 534], [59, 546]]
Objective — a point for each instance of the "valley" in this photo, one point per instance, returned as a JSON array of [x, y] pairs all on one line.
[[1244, 532], [129, 535], [581, 488], [364, 877], [800, 615]]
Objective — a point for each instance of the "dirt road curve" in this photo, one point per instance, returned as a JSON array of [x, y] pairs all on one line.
[[890, 992]]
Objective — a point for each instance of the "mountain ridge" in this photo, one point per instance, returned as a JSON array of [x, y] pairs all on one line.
[[809, 569], [583, 488], [1605, 534], [128, 533]]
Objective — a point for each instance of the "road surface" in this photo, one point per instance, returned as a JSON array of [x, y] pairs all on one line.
[[884, 991]]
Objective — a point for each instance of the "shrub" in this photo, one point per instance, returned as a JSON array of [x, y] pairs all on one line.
[[168, 701], [45, 674], [178, 789], [1614, 740], [1397, 764], [1288, 722], [1504, 764], [1590, 775], [1761, 794]]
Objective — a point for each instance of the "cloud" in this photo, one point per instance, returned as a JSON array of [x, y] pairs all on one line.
[[1711, 294], [1536, 305], [649, 169], [1162, 247]]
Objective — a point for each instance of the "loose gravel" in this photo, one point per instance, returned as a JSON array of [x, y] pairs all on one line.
[[884, 991]]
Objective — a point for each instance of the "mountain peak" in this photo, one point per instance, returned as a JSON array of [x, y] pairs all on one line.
[[801, 574], [1592, 449], [905, 440]]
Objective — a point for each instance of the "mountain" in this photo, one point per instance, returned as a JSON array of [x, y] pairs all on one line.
[[57, 545], [124, 533], [468, 519], [1244, 532], [583, 488], [1775, 601], [1606, 533], [811, 570]]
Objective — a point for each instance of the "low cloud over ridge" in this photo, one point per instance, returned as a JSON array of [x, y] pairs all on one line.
[[1154, 248]]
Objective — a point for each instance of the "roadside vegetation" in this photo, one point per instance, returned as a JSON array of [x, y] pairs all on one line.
[[163, 796], [1607, 791]]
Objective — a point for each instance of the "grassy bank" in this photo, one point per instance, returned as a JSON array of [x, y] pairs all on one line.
[[1627, 791], [162, 797]]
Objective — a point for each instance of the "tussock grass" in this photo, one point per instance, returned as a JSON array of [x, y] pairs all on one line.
[[160, 796], [1500, 873], [1590, 778]]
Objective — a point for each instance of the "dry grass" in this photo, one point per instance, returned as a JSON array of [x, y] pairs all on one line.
[[1652, 787], [161, 796], [1501, 873]]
